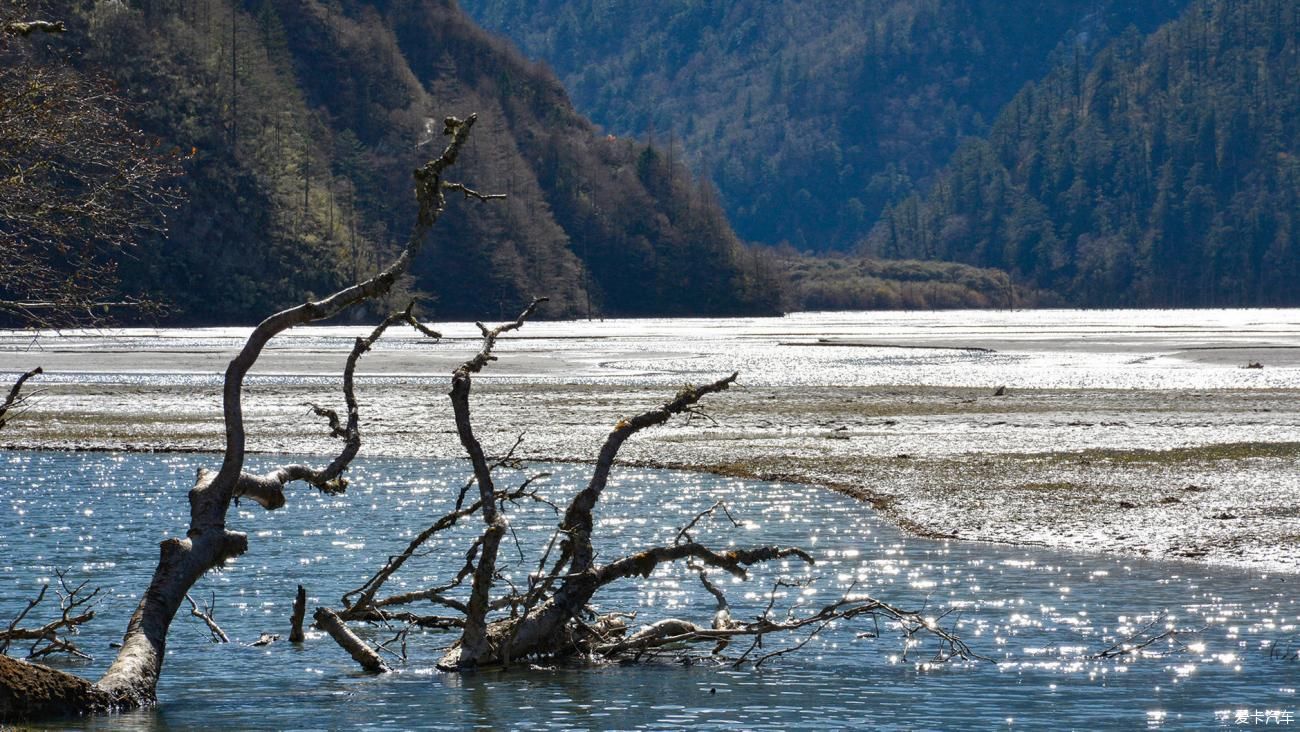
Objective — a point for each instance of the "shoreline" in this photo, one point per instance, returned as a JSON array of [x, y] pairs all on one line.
[[1134, 433], [1213, 502]]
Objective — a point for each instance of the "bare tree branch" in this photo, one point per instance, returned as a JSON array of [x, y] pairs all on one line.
[[363, 654], [577, 519], [131, 680], [14, 399], [52, 637], [474, 639], [218, 635]]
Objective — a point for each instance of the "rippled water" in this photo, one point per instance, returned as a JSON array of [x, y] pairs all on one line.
[[1041, 614]]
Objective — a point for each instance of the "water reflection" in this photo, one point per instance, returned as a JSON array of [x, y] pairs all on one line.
[[1048, 349], [1081, 640]]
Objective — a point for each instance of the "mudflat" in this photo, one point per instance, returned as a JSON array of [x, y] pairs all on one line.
[[1139, 434]]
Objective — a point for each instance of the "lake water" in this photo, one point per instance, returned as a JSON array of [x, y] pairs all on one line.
[[1045, 349], [1041, 614]]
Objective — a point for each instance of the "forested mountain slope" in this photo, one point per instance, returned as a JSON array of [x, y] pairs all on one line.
[[300, 121], [810, 115], [1166, 173]]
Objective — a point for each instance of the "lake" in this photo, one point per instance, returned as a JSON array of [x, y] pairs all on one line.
[[1041, 614], [1123, 435]]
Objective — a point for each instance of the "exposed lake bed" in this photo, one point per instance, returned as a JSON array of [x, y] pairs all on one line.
[[1130, 432]]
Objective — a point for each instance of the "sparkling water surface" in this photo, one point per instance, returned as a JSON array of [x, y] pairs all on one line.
[[1050, 349], [1043, 615]]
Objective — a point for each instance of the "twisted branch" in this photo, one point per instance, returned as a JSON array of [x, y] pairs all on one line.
[[15, 399]]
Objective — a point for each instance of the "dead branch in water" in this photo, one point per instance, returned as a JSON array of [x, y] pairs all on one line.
[[553, 616], [205, 614], [363, 654], [1137, 642], [15, 399], [132, 679], [299, 611], [52, 637]]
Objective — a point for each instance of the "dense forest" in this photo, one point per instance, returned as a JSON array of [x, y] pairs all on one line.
[[809, 116], [1104, 153], [846, 282], [297, 123], [1166, 172]]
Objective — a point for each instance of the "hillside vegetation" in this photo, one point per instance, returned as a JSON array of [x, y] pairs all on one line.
[[300, 121], [810, 115], [858, 283], [1166, 173]]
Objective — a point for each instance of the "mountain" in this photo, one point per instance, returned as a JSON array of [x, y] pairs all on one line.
[[810, 116], [300, 121], [1164, 173]]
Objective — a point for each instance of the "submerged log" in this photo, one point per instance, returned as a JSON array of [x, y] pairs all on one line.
[[30, 691], [299, 610], [363, 654]]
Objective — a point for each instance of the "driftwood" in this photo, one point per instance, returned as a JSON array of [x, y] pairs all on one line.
[[327, 621], [552, 617], [299, 611], [52, 637], [28, 691], [205, 615], [15, 399]]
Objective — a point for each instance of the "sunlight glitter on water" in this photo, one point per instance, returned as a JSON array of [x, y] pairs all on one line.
[[1189, 640], [1150, 349]]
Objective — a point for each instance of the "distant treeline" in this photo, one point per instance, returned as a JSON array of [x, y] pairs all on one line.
[[809, 115], [1165, 173], [855, 283]]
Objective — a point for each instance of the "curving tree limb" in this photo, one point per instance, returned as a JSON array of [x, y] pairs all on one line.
[[474, 642], [15, 398], [132, 678]]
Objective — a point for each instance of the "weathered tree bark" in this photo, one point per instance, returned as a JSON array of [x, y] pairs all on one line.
[[132, 678], [15, 398], [299, 611], [31, 691], [473, 642], [363, 654]]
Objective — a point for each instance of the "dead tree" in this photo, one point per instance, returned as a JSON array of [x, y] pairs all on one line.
[[15, 399], [29, 690], [52, 637], [553, 617]]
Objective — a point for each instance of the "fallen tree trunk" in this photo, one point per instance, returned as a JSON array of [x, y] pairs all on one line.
[[327, 621], [553, 616]]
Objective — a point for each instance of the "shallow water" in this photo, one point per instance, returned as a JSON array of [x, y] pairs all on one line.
[[1041, 614], [1069, 349]]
